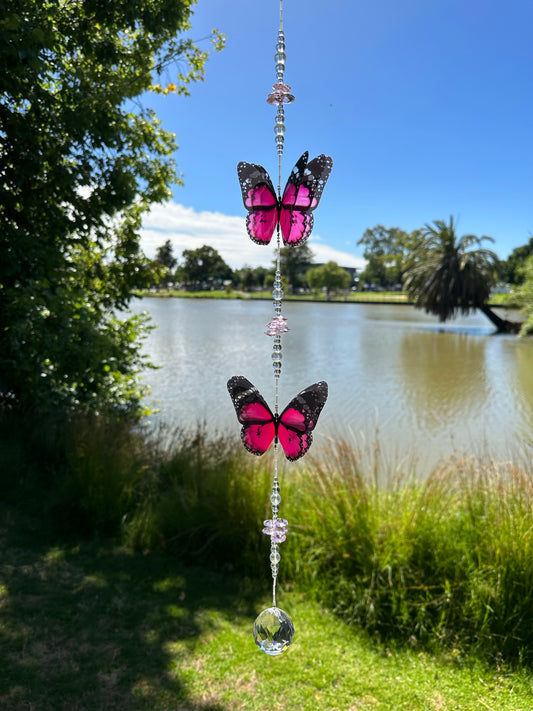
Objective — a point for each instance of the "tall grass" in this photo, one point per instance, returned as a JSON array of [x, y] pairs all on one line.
[[442, 560], [202, 500], [448, 559], [78, 475]]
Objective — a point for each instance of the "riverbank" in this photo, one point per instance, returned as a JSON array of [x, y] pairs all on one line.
[[442, 564], [391, 297], [353, 297]]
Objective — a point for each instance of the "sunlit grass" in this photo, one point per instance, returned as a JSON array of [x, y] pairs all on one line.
[[92, 627], [386, 297]]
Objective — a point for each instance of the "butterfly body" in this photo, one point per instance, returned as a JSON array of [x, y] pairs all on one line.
[[292, 428], [293, 211]]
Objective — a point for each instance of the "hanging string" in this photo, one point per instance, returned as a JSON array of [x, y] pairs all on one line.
[[273, 629], [280, 95]]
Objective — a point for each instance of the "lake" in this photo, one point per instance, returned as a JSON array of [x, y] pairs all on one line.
[[395, 374]]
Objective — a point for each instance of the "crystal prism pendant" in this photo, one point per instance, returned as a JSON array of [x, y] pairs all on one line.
[[273, 631], [276, 528]]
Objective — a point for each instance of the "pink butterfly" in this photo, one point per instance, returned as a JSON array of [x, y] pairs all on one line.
[[294, 211], [292, 428]]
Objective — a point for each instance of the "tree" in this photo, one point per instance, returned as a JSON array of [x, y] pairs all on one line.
[[512, 269], [328, 276], [386, 252], [295, 261], [165, 258], [249, 277], [445, 275], [524, 297], [204, 266], [81, 160]]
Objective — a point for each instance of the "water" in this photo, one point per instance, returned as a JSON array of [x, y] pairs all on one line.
[[395, 374]]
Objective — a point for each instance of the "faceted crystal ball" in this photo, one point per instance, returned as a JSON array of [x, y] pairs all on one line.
[[273, 631]]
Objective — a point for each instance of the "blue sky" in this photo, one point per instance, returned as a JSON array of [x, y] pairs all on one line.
[[424, 105]]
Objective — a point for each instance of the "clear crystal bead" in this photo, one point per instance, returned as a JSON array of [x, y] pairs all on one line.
[[273, 631], [275, 557], [275, 499]]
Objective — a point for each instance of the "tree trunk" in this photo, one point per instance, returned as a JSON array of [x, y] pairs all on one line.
[[502, 324]]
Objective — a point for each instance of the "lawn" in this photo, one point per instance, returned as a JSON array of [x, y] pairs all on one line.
[[93, 626], [391, 297]]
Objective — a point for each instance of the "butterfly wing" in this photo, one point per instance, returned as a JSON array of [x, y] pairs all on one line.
[[258, 428], [298, 420], [301, 196], [259, 198]]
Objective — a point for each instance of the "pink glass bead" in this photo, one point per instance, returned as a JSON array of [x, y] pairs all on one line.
[[280, 95], [276, 528], [276, 326]]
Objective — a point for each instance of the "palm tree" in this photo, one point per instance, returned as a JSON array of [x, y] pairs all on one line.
[[447, 274]]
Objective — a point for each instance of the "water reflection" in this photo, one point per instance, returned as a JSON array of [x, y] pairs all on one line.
[[522, 384], [444, 376]]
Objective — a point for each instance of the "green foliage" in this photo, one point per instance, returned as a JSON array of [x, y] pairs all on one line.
[[166, 260], [444, 275], [329, 276], [523, 296], [249, 278], [81, 160], [295, 261], [203, 266], [386, 251], [512, 268]]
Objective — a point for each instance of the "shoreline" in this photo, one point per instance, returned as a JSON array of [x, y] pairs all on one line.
[[397, 299]]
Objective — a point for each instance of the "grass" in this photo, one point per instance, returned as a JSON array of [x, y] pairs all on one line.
[[182, 293], [507, 300], [132, 569], [95, 626], [380, 297], [352, 296], [446, 562]]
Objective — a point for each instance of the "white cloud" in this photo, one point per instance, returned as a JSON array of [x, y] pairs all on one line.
[[325, 253], [188, 229]]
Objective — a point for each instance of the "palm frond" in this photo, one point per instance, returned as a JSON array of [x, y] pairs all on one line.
[[446, 274]]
